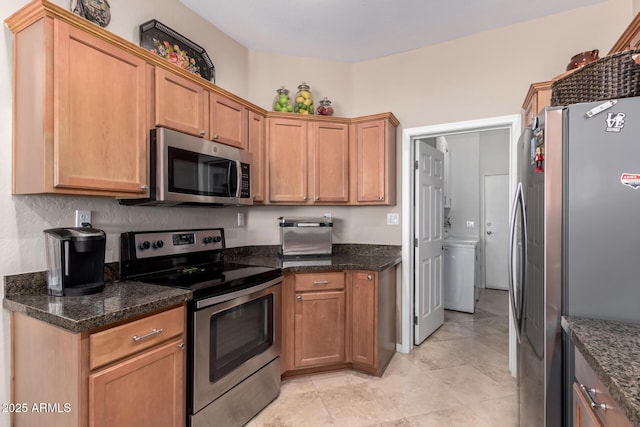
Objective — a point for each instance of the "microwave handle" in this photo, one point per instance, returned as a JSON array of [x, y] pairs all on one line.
[[236, 193]]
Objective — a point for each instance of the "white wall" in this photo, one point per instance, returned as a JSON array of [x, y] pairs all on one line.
[[474, 77], [464, 150]]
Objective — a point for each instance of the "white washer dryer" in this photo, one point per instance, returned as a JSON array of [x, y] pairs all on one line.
[[461, 287]]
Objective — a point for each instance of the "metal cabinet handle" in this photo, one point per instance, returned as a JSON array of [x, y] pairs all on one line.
[[202, 132], [181, 346], [299, 298], [320, 282], [153, 332], [594, 405], [369, 277], [304, 198], [215, 136], [144, 187], [381, 198], [317, 198], [489, 233]]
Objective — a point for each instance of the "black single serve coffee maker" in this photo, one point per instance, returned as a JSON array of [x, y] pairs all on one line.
[[75, 260]]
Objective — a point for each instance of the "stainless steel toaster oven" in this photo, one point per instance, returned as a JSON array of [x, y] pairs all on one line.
[[305, 236]]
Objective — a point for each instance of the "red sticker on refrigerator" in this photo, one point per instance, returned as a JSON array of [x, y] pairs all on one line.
[[630, 180]]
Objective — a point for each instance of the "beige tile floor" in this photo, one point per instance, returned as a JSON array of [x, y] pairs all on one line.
[[458, 377]]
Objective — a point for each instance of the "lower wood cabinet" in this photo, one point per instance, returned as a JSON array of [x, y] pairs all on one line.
[[593, 405], [130, 375], [338, 320], [319, 328]]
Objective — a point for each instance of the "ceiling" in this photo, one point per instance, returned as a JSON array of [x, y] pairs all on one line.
[[359, 30]]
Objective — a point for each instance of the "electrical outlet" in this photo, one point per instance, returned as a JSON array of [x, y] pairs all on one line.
[[393, 219], [471, 224], [327, 215], [82, 217]]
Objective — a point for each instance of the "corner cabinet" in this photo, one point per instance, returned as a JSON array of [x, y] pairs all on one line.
[[338, 319], [373, 161], [101, 378], [80, 112]]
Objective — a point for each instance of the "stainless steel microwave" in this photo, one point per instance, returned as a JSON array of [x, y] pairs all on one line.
[[185, 170]]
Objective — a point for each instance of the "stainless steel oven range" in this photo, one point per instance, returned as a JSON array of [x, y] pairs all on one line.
[[233, 363]]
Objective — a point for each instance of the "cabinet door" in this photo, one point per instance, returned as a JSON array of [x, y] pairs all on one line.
[[99, 113], [181, 104], [583, 415], [147, 390], [256, 146], [329, 162], [374, 163], [287, 148], [363, 317], [319, 328], [228, 121]]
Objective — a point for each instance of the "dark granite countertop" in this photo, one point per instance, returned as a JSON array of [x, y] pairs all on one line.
[[119, 301], [344, 257], [332, 263], [612, 349]]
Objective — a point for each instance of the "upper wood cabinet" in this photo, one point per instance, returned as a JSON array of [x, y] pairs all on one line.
[[80, 113], [257, 147], [329, 162], [287, 160], [181, 104], [373, 161], [188, 107], [538, 97], [308, 161], [228, 121]]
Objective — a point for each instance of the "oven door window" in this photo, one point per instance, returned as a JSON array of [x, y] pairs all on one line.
[[200, 174], [238, 334]]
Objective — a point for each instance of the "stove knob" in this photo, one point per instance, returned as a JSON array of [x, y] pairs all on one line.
[[144, 245], [207, 240], [217, 239], [158, 244]]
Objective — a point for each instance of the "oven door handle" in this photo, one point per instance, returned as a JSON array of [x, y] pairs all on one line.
[[208, 302]]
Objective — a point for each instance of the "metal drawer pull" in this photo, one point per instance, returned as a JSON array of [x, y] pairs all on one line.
[[299, 298], [594, 405], [153, 332], [320, 282]]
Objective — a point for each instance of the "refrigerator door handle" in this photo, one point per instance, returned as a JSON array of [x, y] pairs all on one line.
[[516, 309]]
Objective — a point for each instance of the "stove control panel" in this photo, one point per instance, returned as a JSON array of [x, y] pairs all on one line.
[[161, 243]]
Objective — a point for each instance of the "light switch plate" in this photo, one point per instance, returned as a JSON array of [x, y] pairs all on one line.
[[393, 219], [240, 219]]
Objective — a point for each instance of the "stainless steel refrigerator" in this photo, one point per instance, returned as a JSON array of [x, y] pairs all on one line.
[[575, 241]]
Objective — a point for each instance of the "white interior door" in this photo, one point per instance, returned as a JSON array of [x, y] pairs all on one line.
[[496, 239], [429, 301]]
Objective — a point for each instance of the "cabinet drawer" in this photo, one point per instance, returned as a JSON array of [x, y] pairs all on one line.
[[124, 340], [319, 281], [586, 376]]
